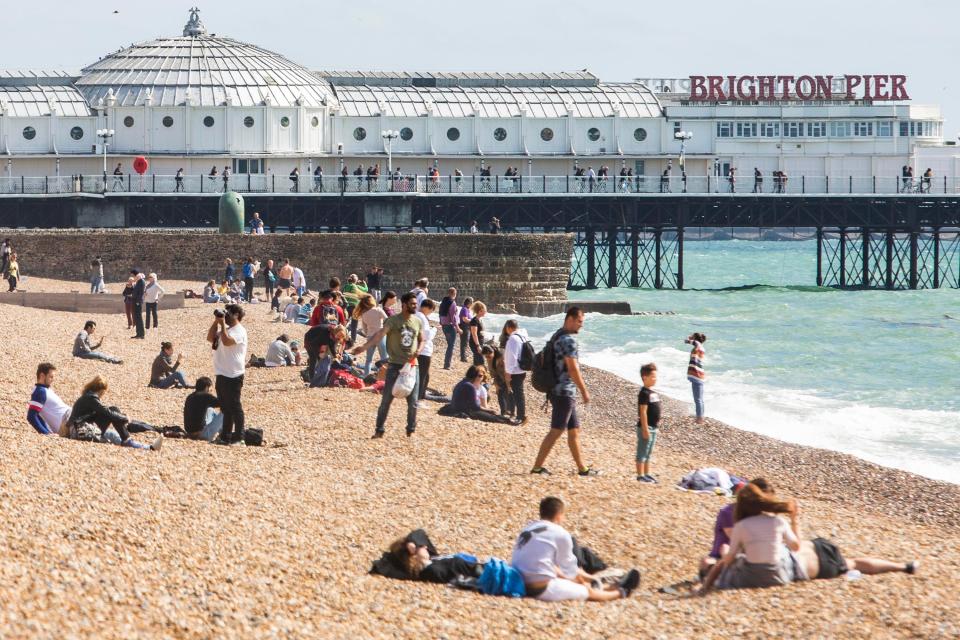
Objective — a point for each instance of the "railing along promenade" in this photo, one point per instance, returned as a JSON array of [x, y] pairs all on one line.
[[479, 185]]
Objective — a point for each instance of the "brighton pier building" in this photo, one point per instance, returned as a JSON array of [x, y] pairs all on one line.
[[200, 100]]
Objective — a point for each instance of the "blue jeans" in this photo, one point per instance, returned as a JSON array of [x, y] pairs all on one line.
[[96, 284], [393, 370], [96, 355], [172, 379], [698, 396], [450, 333], [213, 425], [381, 348]]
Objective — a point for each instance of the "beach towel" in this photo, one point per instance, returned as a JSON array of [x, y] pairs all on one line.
[[500, 579], [708, 480]]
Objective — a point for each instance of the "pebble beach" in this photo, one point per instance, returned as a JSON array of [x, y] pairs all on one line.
[[200, 541]]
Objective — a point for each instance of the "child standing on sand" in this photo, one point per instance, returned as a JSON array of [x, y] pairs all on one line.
[[648, 421]]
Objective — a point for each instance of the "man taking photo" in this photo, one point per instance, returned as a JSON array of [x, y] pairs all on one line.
[[229, 340]]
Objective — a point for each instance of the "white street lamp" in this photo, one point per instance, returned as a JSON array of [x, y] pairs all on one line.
[[105, 135], [683, 136], [389, 135]]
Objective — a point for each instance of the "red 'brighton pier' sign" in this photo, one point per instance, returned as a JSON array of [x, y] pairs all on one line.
[[775, 88]]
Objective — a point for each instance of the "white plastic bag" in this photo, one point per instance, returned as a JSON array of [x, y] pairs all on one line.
[[406, 380]]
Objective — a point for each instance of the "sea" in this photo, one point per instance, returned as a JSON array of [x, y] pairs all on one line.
[[869, 373]]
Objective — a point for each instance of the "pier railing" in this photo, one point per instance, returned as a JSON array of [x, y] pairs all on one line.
[[480, 185]]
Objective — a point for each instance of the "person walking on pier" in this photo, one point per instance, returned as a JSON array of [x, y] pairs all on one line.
[[179, 180], [213, 177], [318, 179], [563, 351], [118, 177], [695, 373], [927, 179], [295, 179], [732, 179], [591, 178], [757, 180], [226, 179]]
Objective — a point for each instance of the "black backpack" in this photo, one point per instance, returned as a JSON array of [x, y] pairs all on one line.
[[445, 306], [544, 377], [528, 356]]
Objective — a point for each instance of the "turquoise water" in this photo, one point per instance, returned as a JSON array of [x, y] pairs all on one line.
[[871, 373]]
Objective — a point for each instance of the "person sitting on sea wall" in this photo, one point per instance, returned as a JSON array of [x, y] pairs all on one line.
[[165, 372], [47, 413], [756, 556], [466, 400], [543, 554], [82, 348], [200, 419], [89, 408]]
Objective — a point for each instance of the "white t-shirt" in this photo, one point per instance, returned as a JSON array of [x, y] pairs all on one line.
[[511, 356], [298, 278], [540, 547], [231, 361], [52, 409], [373, 320], [761, 537], [428, 334]]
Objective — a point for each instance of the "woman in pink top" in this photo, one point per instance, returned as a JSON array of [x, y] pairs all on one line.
[[756, 556]]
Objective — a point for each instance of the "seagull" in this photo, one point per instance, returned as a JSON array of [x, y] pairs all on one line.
[[115, 11]]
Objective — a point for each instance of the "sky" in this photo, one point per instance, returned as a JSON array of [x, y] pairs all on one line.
[[616, 41]]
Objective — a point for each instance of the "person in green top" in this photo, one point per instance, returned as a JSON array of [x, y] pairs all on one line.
[[352, 292], [404, 343]]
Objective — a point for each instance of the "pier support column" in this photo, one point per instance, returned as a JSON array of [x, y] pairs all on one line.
[[819, 256], [591, 259], [843, 258], [634, 257], [866, 258], [913, 259], [936, 258], [658, 278], [612, 258], [889, 259], [680, 258]]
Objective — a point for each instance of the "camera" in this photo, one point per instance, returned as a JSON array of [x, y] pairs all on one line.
[[219, 313]]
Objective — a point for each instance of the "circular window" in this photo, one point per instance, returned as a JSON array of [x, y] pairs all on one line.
[[406, 133], [593, 134], [29, 133], [284, 122], [248, 122], [499, 134], [208, 121], [359, 133], [453, 134], [640, 134], [76, 133], [546, 134], [128, 121], [315, 121], [167, 121]]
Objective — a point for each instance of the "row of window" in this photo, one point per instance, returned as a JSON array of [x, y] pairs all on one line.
[[209, 121], [823, 129], [500, 134]]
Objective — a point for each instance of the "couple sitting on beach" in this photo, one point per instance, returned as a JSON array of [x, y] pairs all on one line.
[[754, 546], [547, 564]]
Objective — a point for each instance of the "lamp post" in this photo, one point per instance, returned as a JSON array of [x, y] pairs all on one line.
[[683, 136], [105, 135], [389, 135]]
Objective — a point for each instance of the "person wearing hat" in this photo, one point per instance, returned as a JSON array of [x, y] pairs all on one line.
[[151, 297]]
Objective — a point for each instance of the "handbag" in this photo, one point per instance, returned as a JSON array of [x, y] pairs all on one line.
[[406, 380]]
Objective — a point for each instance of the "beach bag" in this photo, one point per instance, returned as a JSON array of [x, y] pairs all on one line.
[[445, 307], [544, 377], [344, 379], [253, 437], [328, 316], [85, 431], [406, 381], [500, 579], [528, 356]]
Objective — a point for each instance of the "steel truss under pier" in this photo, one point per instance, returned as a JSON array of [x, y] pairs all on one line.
[[637, 257], [863, 258]]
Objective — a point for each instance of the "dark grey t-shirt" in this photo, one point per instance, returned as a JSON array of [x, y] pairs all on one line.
[[564, 347]]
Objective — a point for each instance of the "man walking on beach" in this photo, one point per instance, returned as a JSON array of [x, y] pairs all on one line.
[[563, 398], [139, 288], [404, 334]]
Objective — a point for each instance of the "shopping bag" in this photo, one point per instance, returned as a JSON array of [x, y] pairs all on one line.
[[406, 380]]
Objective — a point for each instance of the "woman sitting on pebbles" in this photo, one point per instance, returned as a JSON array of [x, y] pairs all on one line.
[[89, 408]]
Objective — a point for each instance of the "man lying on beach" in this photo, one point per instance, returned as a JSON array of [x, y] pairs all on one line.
[[543, 554]]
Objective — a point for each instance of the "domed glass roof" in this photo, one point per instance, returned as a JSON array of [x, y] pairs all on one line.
[[201, 70]]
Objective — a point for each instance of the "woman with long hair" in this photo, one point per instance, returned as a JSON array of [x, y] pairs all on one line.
[[372, 317], [465, 315], [388, 302], [493, 356], [89, 407], [476, 331], [416, 563], [755, 557]]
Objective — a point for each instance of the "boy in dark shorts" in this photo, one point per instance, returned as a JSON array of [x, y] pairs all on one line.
[[648, 420]]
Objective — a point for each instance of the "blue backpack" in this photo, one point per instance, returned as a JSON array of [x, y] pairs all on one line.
[[500, 579]]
